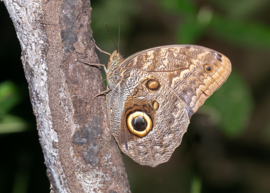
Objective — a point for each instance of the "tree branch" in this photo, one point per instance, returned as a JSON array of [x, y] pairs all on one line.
[[79, 150]]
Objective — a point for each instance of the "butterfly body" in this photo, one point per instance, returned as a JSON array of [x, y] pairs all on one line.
[[155, 92]]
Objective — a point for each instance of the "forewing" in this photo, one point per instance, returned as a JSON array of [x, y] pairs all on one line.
[[182, 68]]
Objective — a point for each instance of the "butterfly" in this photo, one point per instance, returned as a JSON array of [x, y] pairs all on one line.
[[153, 94]]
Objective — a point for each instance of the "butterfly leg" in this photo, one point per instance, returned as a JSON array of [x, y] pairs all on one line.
[[94, 64], [103, 92], [91, 64]]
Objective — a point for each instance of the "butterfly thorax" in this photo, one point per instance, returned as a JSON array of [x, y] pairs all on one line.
[[114, 68]]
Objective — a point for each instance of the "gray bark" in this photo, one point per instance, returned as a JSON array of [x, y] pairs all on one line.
[[79, 150]]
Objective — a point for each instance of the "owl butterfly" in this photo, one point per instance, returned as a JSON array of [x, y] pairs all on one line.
[[154, 93]]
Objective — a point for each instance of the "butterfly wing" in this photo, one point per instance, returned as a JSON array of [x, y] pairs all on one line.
[[192, 72], [156, 93], [162, 110]]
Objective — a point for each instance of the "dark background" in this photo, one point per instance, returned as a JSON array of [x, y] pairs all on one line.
[[227, 146]]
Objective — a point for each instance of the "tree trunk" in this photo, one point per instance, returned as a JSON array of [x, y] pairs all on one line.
[[79, 150]]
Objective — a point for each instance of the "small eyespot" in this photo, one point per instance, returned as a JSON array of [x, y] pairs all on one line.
[[139, 123], [153, 84], [208, 68], [155, 105]]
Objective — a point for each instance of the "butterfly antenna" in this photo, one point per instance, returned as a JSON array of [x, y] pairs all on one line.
[[111, 36], [119, 28]]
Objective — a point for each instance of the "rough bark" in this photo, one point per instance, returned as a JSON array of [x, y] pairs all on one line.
[[79, 150]]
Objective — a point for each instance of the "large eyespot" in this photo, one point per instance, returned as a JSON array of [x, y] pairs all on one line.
[[208, 68], [153, 84], [139, 123]]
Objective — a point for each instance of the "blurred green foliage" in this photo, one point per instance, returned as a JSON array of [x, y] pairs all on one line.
[[234, 28], [195, 185], [9, 98], [241, 33]]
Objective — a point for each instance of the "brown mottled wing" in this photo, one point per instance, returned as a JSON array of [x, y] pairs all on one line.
[[169, 116], [181, 67]]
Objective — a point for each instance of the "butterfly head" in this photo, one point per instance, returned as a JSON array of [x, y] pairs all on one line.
[[115, 59]]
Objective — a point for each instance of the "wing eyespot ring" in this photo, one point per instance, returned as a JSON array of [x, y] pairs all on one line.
[[208, 68], [139, 123]]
